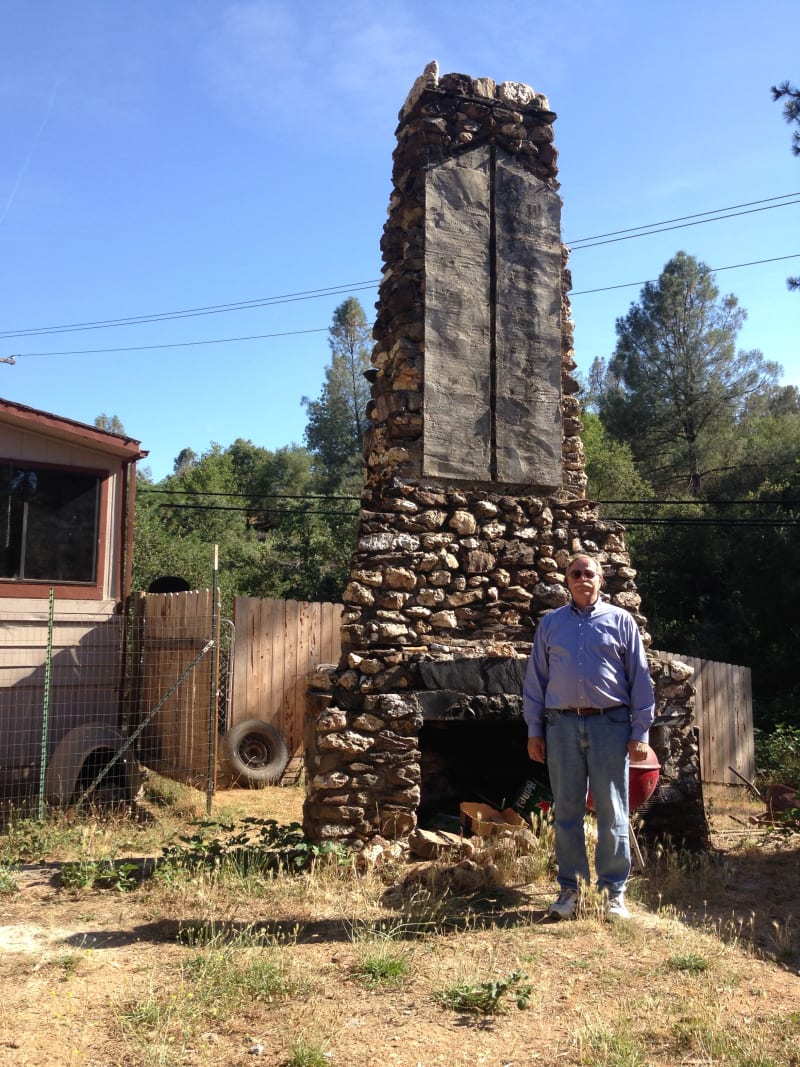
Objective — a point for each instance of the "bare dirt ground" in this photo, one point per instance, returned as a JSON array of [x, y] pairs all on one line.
[[99, 978]]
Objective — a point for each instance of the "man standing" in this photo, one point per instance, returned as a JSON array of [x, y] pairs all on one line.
[[588, 702]]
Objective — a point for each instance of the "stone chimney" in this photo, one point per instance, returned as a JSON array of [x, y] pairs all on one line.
[[474, 495]]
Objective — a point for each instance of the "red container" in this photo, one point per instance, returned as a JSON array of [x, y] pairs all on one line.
[[642, 781]]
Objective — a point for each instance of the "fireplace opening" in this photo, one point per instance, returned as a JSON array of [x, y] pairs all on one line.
[[479, 761]]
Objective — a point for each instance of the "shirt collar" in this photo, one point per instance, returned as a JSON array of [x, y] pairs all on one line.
[[598, 605]]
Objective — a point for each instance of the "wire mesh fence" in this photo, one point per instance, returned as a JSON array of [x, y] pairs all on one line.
[[88, 698]]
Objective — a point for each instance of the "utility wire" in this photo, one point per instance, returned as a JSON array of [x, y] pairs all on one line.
[[174, 344], [682, 225], [261, 511], [627, 521], [324, 329], [711, 270], [682, 218], [247, 496], [312, 294], [695, 503], [641, 501], [212, 309], [716, 523]]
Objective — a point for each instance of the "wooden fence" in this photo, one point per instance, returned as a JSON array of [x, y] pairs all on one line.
[[277, 644], [724, 717]]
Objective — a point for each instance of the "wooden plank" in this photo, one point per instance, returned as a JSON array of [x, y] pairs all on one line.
[[257, 682], [722, 672], [326, 626], [287, 664], [710, 703], [169, 663], [728, 713], [201, 683], [307, 651], [242, 645], [274, 652], [737, 723], [247, 618], [331, 639], [748, 744]]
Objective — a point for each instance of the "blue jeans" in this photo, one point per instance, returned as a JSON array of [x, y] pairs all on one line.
[[590, 751]]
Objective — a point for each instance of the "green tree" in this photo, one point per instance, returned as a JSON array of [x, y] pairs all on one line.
[[676, 385], [185, 459], [277, 535], [109, 423], [790, 95], [337, 419], [180, 519], [610, 467], [767, 443]]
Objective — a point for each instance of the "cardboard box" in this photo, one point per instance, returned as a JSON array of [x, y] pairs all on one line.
[[484, 820]]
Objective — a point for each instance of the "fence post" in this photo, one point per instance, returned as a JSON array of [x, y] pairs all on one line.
[[213, 696], [46, 704]]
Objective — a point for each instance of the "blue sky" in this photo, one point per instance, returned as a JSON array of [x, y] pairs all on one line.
[[160, 157]]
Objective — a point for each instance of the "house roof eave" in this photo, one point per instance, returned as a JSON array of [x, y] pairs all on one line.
[[126, 448]]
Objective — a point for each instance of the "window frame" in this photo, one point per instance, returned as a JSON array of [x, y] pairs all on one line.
[[36, 589]]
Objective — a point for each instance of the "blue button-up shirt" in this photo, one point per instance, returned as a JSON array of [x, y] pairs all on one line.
[[590, 658]]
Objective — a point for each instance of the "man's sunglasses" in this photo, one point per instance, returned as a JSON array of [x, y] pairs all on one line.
[[582, 574]]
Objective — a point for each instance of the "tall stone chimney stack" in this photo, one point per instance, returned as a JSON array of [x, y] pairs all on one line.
[[474, 494]]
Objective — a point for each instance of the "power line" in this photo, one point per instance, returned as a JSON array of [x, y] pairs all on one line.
[[711, 270], [627, 236], [312, 294], [633, 501], [716, 502], [247, 496], [682, 218], [261, 511], [716, 523], [211, 309], [174, 344], [627, 521], [324, 329]]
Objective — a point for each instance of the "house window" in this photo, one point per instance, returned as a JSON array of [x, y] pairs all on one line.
[[49, 521]]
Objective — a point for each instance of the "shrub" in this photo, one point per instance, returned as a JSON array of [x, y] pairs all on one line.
[[778, 756]]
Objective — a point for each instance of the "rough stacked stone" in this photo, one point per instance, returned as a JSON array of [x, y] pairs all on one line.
[[440, 118], [446, 571]]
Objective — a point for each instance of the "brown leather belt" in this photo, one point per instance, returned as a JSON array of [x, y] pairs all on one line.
[[590, 711]]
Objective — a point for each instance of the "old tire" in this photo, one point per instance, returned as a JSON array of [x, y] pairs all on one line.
[[78, 759], [255, 752]]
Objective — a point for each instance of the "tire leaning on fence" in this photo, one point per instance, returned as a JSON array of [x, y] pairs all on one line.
[[255, 753]]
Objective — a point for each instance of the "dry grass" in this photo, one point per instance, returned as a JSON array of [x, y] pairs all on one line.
[[200, 967]]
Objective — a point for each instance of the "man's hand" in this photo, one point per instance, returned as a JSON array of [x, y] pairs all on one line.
[[536, 749], [637, 751]]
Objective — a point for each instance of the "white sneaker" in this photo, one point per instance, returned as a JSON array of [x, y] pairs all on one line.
[[565, 906], [615, 907]]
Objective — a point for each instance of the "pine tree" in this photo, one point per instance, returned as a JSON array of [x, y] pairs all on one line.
[[676, 384], [337, 419], [791, 112]]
